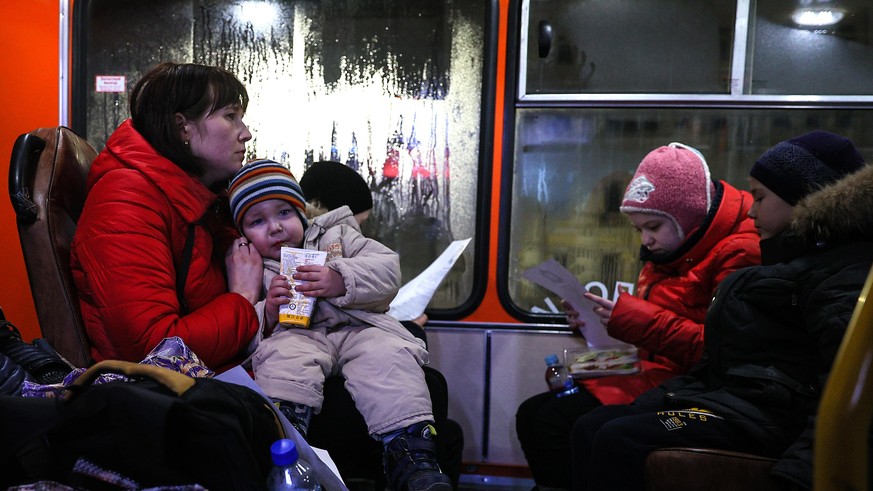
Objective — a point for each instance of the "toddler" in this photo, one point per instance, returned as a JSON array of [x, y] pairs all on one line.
[[349, 331]]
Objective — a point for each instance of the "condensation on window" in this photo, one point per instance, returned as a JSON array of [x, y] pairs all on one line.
[[391, 89]]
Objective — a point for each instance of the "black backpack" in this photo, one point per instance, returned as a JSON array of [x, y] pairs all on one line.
[[160, 428]]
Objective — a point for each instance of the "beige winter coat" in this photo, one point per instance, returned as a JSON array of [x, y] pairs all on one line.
[[351, 335]]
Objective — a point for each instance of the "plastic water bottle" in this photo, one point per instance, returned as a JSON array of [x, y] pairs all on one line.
[[560, 382], [290, 472]]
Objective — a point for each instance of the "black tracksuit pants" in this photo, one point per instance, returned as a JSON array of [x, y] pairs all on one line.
[[610, 444]]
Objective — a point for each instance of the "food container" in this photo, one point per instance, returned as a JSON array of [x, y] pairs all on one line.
[[585, 363]]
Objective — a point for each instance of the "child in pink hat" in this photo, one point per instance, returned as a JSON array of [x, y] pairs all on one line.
[[694, 231], [672, 182]]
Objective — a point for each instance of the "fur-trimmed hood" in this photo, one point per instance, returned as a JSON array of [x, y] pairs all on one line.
[[838, 212]]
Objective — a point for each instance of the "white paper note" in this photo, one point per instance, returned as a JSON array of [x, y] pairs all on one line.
[[414, 296], [555, 278]]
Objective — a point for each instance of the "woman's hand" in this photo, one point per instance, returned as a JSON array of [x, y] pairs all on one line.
[[603, 309], [321, 281], [277, 295], [245, 270]]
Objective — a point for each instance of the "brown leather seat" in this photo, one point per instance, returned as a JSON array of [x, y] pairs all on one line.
[[47, 177], [692, 469]]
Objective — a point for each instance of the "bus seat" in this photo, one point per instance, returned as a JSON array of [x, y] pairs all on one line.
[[47, 175], [692, 469], [841, 449]]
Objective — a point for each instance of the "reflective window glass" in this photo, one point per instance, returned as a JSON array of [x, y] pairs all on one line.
[[794, 49], [572, 165], [629, 46], [392, 89]]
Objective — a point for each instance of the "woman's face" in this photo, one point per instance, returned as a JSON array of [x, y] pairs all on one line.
[[772, 214], [219, 140], [657, 233]]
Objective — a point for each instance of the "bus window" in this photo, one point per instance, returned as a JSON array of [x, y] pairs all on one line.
[[716, 47], [730, 78], [787, 58], [571, 167], [392, 89], [627, 46]]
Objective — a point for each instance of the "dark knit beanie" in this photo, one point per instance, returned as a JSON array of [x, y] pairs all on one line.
[[259, 181], [333, 184], [795, 168]]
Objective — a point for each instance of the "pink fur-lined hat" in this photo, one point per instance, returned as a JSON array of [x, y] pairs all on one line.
[[672, 181]]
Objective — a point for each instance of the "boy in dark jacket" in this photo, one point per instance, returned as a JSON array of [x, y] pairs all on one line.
[[771, 333]]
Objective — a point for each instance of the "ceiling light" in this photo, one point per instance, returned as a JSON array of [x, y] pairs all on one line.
[[817, 13]]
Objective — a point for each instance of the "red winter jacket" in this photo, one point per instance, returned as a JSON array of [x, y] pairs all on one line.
[[128, 244], [665, 318]]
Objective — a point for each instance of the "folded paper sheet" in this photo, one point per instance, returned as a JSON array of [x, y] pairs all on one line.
[[414, 296], [555, 278]]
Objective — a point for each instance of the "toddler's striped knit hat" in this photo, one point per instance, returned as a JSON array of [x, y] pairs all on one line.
[[259, 181]]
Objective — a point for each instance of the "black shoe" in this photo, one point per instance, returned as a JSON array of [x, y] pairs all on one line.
[[12, 376], [410, 461], [45, 368]]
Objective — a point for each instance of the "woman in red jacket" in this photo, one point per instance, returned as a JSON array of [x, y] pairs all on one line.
[[694, 232], [154, 254]]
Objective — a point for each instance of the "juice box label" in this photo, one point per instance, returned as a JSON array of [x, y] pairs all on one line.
[[298, 311]]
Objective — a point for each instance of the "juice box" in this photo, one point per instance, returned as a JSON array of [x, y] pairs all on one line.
[[298, 311]]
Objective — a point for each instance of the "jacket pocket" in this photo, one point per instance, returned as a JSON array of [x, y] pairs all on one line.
[[767, 385]]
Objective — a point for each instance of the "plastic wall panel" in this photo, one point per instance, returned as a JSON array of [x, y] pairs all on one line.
[[516, 373]]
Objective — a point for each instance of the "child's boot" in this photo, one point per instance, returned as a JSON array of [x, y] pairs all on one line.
[[298, 415], [410, 460]]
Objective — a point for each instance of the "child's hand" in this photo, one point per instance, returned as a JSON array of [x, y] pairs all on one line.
[[603, 309], [245, 270], [572, 316], [321, 281], [277, 294]]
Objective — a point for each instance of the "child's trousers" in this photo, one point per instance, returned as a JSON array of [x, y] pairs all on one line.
[[382, 371], [610, 443]]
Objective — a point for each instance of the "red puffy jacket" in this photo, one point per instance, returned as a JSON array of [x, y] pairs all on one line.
[[126, 250], [665, 318]]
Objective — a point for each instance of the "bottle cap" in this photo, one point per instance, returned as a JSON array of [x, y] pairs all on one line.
[[284, 452], [551, 359]]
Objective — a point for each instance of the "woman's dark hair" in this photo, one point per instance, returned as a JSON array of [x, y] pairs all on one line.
[[189, 89]]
